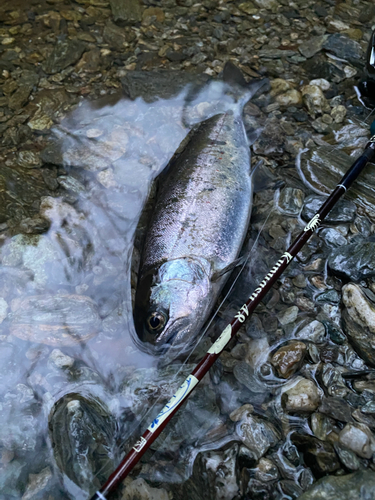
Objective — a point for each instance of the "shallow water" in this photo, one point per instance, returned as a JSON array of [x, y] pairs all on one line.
[[67, 293]]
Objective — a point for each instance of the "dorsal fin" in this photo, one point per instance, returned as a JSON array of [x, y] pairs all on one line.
[[233, 75]]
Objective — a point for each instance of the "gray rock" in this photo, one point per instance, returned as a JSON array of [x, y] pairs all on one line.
[[347, 457], [332, 237], [336, 408], [10, 479], [129, 11], [312, 46], [314, 332], [65, 53], [342, 46], [353, 261], [141, 490], [343, 211], [290, 201], [288, 315], [359, 485], [358, 438], [257, 434], [302, 397], [359, 321], [163, 84], [38, 483]]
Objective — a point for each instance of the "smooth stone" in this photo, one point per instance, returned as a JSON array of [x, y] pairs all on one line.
[[288, 358], [139, 489], [358, 438], [129, 11], [359, 485], [164, 84], [266, 470], [354, 262], [61, 360], [257, 434], [347, 457], [292, 97], [369, 408], [314, 99], [10, 478], [312, 46], [343, 47], [290, 201], [359, 321], [335, 334], [57, 320], [37, 484], [336, 408], [302, 397], [319, 455], [330, 297], [332, 237], [320, 425], [314, 332], [288, 316], [343, 211], [64, 54], [338, 113]]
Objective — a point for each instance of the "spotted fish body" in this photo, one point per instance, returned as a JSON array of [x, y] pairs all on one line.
[[196, 231]]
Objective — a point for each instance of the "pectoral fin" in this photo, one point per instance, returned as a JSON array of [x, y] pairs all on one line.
[[228, 268]]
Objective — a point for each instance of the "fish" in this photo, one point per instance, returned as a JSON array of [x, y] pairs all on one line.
[[198, 226]]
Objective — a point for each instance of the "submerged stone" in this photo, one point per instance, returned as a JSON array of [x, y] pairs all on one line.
[[359, 485], [343, 211], [55, 320], [359, 321], [354, 262], [65, 53], [319, 455], [342, 46], [358, 438], [302, 397], [288, 358]]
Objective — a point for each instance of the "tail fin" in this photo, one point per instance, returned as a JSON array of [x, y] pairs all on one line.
[[241, 91]]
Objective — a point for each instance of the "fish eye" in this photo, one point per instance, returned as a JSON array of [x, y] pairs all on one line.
[[156, 321]]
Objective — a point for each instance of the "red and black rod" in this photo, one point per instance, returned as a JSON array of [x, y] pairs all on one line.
[[164, 416]]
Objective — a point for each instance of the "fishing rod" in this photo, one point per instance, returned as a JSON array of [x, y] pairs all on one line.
[[173, 405]]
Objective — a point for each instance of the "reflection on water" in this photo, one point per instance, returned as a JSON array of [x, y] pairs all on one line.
[[68, 341]]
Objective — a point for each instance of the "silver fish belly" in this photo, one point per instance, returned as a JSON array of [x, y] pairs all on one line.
[[197, 229]]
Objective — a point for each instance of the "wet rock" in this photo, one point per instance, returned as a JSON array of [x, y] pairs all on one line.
[[163, 84], [314, 99], [257, 434], [10, 478], [290, 201], [343, 47], [314, 332], [359, 485], [302, 397], [141, 490], [288, 316], [359, 321], [38, 483], [266, 470], [336, 408], [319, 455], [64, 54], [332, 237], [335, 334], [312, 46], [347, 457], [271, 140], [358, 438], [239, 413], [56, 320], [73, 422], [344, 211], [354, 262], [129, 11], [338, 113], [288, 358], [117, 37], [61, 360]]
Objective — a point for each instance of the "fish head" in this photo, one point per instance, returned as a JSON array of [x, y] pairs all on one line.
[[171, 304]]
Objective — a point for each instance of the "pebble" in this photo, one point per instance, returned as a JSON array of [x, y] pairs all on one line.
[[257, 434], [359, 485], [141, 490], [38, 484], [314, 332], [290, 201], [358, 438], [302, 397], [359, 321], [288, 316], [343, 212], [288, 358], [354, 262]]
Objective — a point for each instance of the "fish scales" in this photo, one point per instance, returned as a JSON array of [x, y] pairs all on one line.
[[204, 205], [197, 229]]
